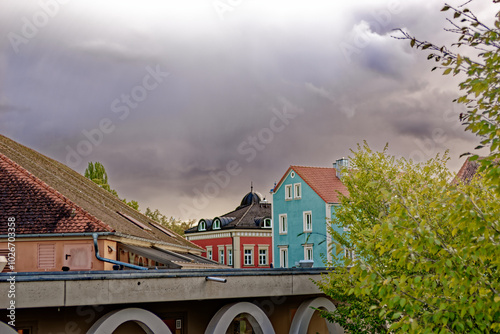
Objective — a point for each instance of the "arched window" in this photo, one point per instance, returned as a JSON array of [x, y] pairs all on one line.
[[267, 223], [216, 225], [202, 226]]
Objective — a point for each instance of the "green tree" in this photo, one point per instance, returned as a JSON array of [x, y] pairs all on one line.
[[176, 225], [97, 173], [427, 250], [479, 61]]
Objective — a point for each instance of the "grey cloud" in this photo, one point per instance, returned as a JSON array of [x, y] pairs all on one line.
[[226, 78]]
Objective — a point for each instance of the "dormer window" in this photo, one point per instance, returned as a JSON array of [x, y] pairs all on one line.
[[216, 225], [202, 226], [267, 223]]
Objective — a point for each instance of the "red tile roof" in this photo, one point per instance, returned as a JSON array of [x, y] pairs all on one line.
[[49, 197], [38, 208], [322, 180]]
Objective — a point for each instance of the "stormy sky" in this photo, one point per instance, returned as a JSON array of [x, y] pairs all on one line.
[[188, 102]]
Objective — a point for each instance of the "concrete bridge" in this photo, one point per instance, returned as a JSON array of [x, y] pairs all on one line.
[[166, 301]]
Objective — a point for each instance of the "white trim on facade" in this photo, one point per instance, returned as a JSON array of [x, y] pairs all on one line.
[[283, 255], [288, 192], [306, 214], [283, 223], [297, 190]]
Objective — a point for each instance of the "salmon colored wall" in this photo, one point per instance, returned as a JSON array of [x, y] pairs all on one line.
[[27, 253]]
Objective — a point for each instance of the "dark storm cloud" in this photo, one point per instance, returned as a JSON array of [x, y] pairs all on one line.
[[268, 86]]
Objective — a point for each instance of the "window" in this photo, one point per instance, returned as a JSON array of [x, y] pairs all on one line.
[[132, 220], [267, 223], [283, 223], [202, 226], [308, 252], [262, 257], [283, 257], [216, 225], [297, 193], [221, 256], [288, 192], [307, 221], [209, 252], [46, 256], [230, 256], [292, 174], [349, 254], [248, 257]]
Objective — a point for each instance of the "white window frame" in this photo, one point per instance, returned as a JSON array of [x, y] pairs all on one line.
[[221, 256], [288, 192], [283, 256], [202, 226], [268, 223], [209, 252], [249, 263], [216, 224], [297, 191], [306, 214], [229, 250], [265, 256], [262, 257], [308, 252], [350, 254], [283, 223]]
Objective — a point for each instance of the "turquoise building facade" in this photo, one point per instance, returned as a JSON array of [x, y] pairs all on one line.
[[304, 202]]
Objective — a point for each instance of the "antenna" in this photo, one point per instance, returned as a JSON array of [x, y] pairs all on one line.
[[251, 186]]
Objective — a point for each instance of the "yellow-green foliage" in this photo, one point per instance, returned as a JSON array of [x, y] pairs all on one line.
[[427, 249]]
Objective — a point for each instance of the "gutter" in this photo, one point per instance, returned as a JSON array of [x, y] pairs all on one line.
[[45, 235], [133, 266]]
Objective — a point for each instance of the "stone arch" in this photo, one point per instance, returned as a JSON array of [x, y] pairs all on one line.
[[148, 321], [6, 329], [223, 318], [304, 313]]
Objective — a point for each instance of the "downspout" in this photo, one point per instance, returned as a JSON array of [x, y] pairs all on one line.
[[133, 266]]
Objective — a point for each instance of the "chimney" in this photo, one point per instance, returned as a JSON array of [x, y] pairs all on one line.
[[339, 166]]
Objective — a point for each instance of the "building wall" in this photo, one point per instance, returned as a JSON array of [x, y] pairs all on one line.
[[238, 241], [255, 244], [294, 209], [28, 252], [214, 243], [193, 317]]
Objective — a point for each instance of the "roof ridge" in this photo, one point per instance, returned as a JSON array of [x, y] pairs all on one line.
[[301, 166], [55, 192], [243, 216]]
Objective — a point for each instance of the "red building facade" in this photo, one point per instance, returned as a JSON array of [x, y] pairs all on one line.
[[241, 238]]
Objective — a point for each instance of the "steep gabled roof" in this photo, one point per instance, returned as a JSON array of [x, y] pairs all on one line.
[[322, 180], [46, 196]]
